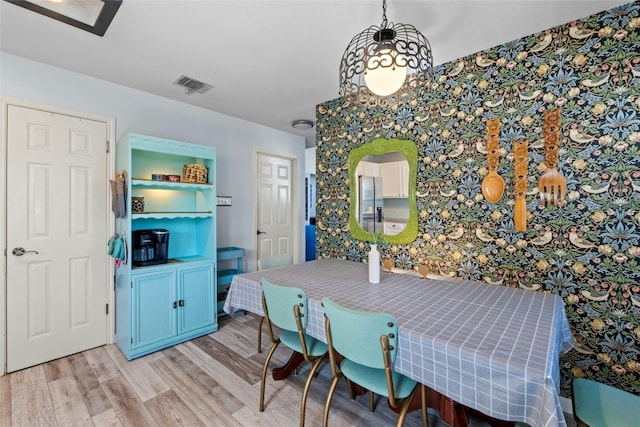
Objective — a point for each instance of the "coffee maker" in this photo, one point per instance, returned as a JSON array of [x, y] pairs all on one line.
[[150, 247]]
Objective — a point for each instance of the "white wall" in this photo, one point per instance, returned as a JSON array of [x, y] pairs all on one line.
[[310, 175], [236, 140], [310, 160]]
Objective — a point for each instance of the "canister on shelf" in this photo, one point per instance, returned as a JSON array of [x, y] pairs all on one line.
[[137, 204]]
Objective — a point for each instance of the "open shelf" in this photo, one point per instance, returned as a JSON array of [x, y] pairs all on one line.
[[171, 215], [170, 185], [232, 257]]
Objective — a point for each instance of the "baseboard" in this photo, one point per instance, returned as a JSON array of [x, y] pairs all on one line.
[[567, 405]]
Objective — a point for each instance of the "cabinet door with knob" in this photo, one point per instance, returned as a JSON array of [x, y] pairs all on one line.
[[154, 302], [196, 292]]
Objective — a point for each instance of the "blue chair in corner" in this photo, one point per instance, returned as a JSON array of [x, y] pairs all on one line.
[[600, 405], [368, 343], [286, 308], [265, 264]]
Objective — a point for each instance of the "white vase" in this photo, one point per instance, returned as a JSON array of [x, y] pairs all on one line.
[[374, 265]]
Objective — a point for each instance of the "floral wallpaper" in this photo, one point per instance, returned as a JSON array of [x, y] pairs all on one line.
[[587, 251]]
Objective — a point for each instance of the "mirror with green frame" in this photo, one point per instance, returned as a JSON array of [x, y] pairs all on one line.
[[382, 177]]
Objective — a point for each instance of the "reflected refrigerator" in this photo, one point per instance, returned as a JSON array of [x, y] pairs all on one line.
[[370, 214]]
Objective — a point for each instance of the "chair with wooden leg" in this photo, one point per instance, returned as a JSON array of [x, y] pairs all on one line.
[[600, 405], [265, 264], [286, 308], [368, 342]]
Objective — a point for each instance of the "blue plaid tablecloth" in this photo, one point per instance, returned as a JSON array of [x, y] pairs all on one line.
[[488, 347]]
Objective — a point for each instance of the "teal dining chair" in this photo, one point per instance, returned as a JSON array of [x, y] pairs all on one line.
[[265, 264], [368, 343], [600, 405], [286, 308]]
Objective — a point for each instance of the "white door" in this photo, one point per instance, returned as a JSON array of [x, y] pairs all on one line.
[[57, 215], [275, 207]]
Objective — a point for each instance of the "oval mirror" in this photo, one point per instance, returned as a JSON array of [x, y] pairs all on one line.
[[383, 182]]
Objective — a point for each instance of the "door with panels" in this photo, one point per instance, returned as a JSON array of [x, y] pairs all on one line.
[[275, 206], [57, 221]]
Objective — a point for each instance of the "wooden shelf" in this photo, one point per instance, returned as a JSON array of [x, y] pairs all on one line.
[[170, 215], [169, 185]]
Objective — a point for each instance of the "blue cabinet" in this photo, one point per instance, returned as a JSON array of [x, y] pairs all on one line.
[[170, 304], [310, 242], [160, 305]]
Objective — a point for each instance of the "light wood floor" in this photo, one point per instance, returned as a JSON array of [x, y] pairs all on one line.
[[212, 380]]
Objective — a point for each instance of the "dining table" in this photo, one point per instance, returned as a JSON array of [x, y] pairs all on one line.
[[488, 347]]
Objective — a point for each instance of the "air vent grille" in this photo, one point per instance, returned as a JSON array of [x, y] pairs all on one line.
[[192, 85]]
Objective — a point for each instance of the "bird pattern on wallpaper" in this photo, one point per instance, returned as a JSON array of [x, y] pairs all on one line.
[[587, 251]]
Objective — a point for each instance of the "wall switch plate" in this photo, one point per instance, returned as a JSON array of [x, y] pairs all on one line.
[[224, 201]]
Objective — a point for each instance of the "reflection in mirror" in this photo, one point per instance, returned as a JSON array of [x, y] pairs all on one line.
[[382, 199], [382, 177]]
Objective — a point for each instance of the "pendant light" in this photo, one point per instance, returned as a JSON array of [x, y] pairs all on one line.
[[384, 61]]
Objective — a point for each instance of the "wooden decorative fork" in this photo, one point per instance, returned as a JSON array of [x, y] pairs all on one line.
[[552, 186]]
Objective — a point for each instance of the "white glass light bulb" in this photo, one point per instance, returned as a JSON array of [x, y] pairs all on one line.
[[383, 77]]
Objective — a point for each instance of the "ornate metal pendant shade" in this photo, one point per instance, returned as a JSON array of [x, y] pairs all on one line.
[[384, 61]]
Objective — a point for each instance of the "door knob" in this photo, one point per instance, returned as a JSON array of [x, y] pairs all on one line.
[[21, 251], [262, 232]]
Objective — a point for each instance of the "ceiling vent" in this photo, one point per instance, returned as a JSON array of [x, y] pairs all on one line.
[[192, 85]]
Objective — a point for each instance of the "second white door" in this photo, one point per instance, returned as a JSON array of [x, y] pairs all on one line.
[[275, 206]]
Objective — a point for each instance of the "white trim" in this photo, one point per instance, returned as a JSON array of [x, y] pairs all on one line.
[[3, 237], [296, 185], [109, 280]]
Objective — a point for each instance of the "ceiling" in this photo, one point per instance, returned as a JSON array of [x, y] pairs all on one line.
[[270, 62]]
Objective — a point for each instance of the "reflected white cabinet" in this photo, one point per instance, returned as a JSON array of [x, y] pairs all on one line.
[[391, 228], [368, 169], [395, 179]]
